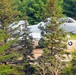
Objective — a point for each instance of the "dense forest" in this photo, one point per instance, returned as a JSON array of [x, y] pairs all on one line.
[[36, 11], [16, 56]]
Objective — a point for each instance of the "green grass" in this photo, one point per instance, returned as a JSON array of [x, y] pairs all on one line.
[[73, 36]]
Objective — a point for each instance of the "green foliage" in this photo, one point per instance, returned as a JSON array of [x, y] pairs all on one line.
[[54, 7], [5, 58], [69, 7], [21, 6], [41, 43], [8, 12], [66, 71], [71, 67], [8, 56], [55, 37], [9, 69], [73, 63], [55, 41], [5, 47], [35, 11]]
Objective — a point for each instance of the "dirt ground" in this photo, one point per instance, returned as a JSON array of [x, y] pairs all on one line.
[[38, 52]]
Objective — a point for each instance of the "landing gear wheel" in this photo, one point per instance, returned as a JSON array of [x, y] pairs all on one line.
[[70, 43]]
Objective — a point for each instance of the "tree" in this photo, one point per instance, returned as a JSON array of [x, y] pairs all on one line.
[[69, 8], [55, 40], [51, 66], [52, 10], [10, 58], [14, 54], [35, 11], [53, 46], [21, 4], [71, 67], [8, 14], [73, 63]]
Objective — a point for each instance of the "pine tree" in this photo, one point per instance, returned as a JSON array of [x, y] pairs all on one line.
[[8, 14], [23, 48], [55, 41], [14, 54], [73, 64]]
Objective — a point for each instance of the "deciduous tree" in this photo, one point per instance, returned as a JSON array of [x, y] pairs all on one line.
[[69, 8]]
